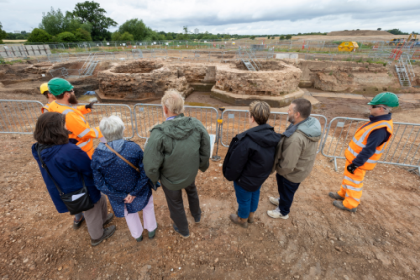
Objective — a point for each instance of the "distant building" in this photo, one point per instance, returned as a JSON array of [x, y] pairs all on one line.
[[196, 31]]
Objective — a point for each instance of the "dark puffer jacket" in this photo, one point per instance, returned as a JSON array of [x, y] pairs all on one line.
[[250, 157]]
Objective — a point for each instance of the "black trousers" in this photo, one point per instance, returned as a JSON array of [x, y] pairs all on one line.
[[287, 191], [176, 206]]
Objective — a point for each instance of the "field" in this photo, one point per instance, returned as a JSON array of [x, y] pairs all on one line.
[[316, 242]]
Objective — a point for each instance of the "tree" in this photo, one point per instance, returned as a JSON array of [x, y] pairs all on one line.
[[82, 35], [252, 37], [39, 35], [396, 31], [379, 29], [137, 28], [288, 37], [3, 34], [66, 37], [281, 37], [90, 11], [126, 37]]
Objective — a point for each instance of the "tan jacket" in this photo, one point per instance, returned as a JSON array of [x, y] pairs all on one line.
[[295, 155]]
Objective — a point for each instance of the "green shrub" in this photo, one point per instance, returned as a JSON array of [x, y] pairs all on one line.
[[66, 37], [82, 35], [39, 35]]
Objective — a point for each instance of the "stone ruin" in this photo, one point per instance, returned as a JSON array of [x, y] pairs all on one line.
[[145, 80]]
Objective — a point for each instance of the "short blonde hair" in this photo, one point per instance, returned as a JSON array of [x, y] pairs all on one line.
[[173, 101], [260, 110]]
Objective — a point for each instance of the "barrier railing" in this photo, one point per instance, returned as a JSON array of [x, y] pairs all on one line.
[[403, 148], [19, 116], [148, 115], [237, 121], [100, 111]]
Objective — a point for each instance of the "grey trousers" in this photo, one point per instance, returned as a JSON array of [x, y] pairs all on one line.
[[176, 206], [96, 217]]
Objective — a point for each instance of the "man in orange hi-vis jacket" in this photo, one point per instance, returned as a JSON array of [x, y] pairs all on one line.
[[76, 123], [365, 150]]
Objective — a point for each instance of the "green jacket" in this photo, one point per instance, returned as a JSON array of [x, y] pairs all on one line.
[[175, 151], [296, 151]]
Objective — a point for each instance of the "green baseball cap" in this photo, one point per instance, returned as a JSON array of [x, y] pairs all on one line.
[[58, 86], [385, 98]]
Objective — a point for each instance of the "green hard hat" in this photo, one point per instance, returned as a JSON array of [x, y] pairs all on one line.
[[58, 86], [385, 98]]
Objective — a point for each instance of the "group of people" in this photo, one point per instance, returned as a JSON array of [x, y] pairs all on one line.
[[177, 149]]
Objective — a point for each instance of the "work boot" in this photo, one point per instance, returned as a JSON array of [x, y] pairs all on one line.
[[339, 204], [239, 221], [109, 218], [108, 232], [275, 200], [251, 217], [152, 234], [177, 230], [276, 214], [336, 196]]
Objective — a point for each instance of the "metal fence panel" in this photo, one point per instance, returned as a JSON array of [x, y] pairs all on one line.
[[403, 148], [19, 116], [237, 121], [100, 111], [148, 115]]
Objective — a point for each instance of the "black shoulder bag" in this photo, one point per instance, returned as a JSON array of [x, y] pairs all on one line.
[[82, 201]]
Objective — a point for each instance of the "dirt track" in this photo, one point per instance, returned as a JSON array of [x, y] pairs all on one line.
[[317, 242]]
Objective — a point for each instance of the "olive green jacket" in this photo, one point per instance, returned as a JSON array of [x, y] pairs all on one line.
[[175, 151]]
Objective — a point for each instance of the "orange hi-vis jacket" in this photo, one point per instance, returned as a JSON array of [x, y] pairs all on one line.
[[359, 141], [82, 109], [77, 124]]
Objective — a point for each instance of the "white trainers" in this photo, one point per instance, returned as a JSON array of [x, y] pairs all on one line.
[[274, 200], [276, 214]]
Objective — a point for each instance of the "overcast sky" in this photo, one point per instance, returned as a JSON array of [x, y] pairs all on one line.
[[234, 16]]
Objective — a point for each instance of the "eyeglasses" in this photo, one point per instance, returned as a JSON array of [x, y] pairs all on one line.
[[377, 106]]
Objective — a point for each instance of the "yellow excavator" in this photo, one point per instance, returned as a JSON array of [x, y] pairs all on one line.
[[412, 39]]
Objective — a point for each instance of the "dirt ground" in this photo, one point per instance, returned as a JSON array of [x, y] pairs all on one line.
[[318, 241]]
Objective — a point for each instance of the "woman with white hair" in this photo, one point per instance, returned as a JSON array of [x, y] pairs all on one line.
[[118, 172]]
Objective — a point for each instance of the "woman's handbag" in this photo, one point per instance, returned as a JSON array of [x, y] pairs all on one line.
[[149, 182], [77, 201]]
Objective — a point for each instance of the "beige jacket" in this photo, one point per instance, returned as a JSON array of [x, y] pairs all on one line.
[[296, 151]]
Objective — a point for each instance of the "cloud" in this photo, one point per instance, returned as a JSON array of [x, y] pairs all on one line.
[[234, 16]]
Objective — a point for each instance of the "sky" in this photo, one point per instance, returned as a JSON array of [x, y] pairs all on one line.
[[233, 16]]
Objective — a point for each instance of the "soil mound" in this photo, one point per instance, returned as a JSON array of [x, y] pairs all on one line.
[[358, 33]]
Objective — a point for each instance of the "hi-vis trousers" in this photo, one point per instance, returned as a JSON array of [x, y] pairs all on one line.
[[351, 187]]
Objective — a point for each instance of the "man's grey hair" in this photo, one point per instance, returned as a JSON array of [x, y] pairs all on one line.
[[173, 101], [112, 128], [388, 109]]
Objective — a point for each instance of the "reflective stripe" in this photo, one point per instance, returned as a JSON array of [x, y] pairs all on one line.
[[46, 106], [65, 112], [360, 144], [362, 138], [353, 181], [81, 145], [96, 132], [353, 197], [371, 161], [86, 131], [353, 188], [82, 119], [352, 151]]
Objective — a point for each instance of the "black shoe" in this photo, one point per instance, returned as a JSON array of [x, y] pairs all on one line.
[[177, 230], [152, 234], [140, 239], [109, 218], [108, 232], [197, 220], [78, 224]]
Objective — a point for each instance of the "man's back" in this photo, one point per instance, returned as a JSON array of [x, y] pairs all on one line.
[[175, 151]]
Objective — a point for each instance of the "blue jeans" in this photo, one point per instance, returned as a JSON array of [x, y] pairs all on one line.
[[287, 191], [247, 201]]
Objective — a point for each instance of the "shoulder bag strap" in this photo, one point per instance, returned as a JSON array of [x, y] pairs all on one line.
[[121, 157], [49, 174]]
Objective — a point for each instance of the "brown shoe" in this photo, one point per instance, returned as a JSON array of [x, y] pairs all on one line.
[[239, 221], [108, 232], [251, 217]]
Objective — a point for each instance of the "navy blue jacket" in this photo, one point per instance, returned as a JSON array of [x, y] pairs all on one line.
[[115, 178], [250, 157], [67, 164], [376, 138]]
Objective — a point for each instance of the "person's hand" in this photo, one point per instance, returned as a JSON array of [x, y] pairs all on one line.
[[89, 106], [129, 198], [351, 168]]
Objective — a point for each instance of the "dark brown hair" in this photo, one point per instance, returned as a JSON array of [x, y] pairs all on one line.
[[303, 106], [61, 96], [49, 129], [260, 110]]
